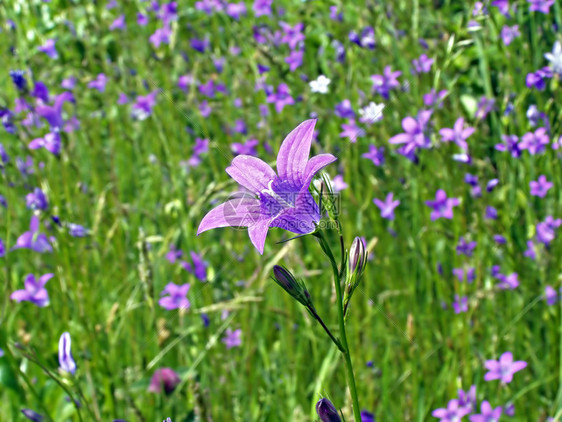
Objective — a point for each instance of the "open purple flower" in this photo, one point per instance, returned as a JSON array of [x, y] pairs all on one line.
[[542, 6], [383, 84], [457, 134], [66, 361], [510, 143], [176, 297], [232, 338], [275, 200], [534, 142], [49, 49], [51, 142], [504, 368], [453, 413], [540, 187], [487, 413], [415, 133], [32, 239], [34, 290], [442, 206], [422, 64], [387, 206], [281, 98], [376, 155], [53, 114], [98, 83]]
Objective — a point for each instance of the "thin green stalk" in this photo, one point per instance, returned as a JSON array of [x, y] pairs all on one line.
[[343, 336]]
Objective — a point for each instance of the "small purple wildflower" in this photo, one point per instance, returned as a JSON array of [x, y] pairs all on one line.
[[487, 413], [176, 297], [34, 290], [232, 338], [453, 413], [118, 23], [422, 64], [546, 229], [511, 144], [344, 110], [465, 248], [550, 295], [49, 49], [415, 133], [460, 304], [458, 133], [32, 415], [367, 416], [442, 207], [161, 36], [292, 35], [262, 8], [530, 252], [51, 142], [247, 148], [142, 19], [510, 281], [542, 6], [434, 99], [504, 368], [351, 131], [375, 154], [281, 98], [76, 230], [294, 59], [143, 105], [387, 206], [509, 33], [32, 239], [534, 142], [36, 200], [383, 84], [98, 83], [485, 106], [540, 187]]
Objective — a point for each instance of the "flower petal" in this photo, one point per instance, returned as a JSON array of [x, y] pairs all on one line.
[[294, 151], [258, 233], [242, 211], [314, 165], [251, 172]]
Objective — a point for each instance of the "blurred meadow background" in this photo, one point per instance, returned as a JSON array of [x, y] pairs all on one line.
[[119, 119]]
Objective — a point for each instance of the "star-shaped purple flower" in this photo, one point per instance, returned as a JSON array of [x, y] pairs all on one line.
[[487, 413], [274, 200], [34, 290], [387, 206], [504, 368], [442, 206], [457, 134], [174, 297], [540, 187], [376, 155]]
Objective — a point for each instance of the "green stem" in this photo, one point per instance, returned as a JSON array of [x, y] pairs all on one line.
[[343, 336]]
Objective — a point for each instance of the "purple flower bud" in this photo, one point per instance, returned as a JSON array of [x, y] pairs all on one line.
[[357, 256], [66, 361], [164, 379], [291, 285], [32, 416], [18, 79], [326, 411]]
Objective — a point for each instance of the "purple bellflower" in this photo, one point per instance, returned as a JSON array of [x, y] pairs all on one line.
[[51, 142], [49, 49], [275, 200], [458, 134], [53, 114], [176, 298], [504, 368], [382, 84], [32, 239], [387, 206], [232, 338], [164, 379], [540, 187], [415, 133], [442, 207], [487, 413], [453, 413], [34, 290]]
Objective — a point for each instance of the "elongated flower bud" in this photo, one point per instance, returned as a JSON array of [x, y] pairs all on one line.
[[357, 262], [357, 256], [296, 288], [326, 411]]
